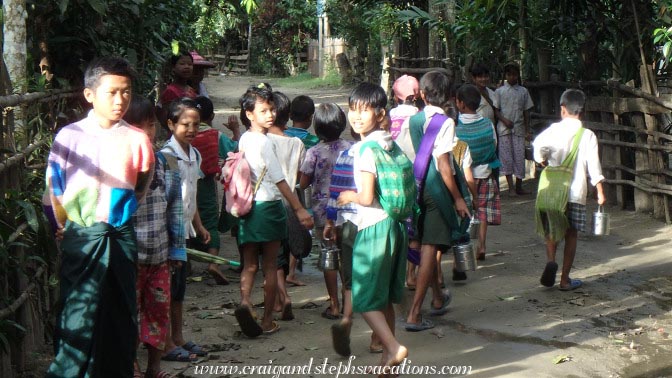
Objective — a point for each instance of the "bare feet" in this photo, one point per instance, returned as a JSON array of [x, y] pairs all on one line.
[[217, 274], [394, 359], [294, 282]]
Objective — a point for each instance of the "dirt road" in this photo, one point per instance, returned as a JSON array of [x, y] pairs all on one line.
[[501, 322]]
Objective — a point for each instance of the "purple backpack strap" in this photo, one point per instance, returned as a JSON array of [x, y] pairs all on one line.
[[424, 153]]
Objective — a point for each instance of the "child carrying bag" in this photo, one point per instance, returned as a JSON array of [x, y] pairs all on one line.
[[395, 184], [238, 189], [553, 194]]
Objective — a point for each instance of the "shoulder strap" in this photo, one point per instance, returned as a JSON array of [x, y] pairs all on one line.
[[424, 152], [571, 157], [169, 160]]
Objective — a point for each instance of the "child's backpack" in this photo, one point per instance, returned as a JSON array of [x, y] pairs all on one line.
[[207, 143], [238, 189], [395, 182]]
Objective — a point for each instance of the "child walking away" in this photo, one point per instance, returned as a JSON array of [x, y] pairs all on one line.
[[183, 121], [98, 170], [159, 230], [384, 198], [442, 192], [212, 145], [301, 114], [569, 153], [513, 103], [290, 152], [479, 134], [406, 93], [266, 223], [182, 67], [316, 171]]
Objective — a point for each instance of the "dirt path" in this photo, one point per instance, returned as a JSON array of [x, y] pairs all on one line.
[[501, 321]]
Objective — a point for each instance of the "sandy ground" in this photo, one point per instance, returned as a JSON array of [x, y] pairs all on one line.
[[501, 322]]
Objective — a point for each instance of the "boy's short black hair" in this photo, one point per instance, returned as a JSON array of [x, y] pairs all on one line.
[[205, 108], [302, 108], [140, 110], [175, 57], [478, 70], [512, 68], [470, 96], [329, 122], [573, 100], [282, 104], [249, 99], [368, 94], [436, 87], [108, 65], [177, 107]]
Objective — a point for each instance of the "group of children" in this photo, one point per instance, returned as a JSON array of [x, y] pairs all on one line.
[[124, 223]]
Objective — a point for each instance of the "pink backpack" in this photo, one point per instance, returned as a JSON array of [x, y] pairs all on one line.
[[238, 190]]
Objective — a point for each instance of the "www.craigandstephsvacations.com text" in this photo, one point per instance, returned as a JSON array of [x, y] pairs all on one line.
[[325, 368]]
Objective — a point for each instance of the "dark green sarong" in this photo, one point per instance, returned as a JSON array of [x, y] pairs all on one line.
[[96, 330]]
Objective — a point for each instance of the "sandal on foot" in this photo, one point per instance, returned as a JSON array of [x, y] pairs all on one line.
[[340, 337], [158, 374], [287, 313], [328, 315], [459, 276], [375, 349], [247, 323], [480, 256], [548, 277], [195, 349], [417, 327], [573, 285], [275, 328], [179, 354], [444, 308]]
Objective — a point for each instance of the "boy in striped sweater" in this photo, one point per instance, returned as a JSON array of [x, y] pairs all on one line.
[[479, 133]]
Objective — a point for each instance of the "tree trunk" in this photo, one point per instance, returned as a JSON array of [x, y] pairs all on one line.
[[522, 35], [14, 42]]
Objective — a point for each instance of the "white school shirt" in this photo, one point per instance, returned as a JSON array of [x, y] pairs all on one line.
[[445, 139], [369, 215], [512, 101], [558, 138], [259, 153], [484, 108], [190, 172]]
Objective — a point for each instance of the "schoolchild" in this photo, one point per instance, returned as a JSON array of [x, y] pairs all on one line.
[[183, 121], [290, 152], [316, 170], [181, 69], [379, 251], [265, 225], [481, 79], [479, 134], [551, 148], [159, 230], [407, 95], [198, 73], [513, 104], [213, 145], [98, 170], [301, 114], [442, 203]]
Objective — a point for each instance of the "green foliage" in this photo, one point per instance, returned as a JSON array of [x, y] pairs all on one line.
[[281, 30]]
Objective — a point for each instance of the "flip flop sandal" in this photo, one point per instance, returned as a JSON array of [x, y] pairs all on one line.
[[376, 349], [447, 298], [328, 315], [195, 349], [573, 285], [287, 313], [179, 354], [548, 277], [424, 324], [246, 321], [341, 339], [274, 329], [159, 374]]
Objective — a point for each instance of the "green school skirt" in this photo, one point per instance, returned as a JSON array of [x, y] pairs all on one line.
[[379, 266], [432, 228], [206, 198], [267, 221]]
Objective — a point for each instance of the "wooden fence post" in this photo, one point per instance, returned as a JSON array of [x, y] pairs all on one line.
[[610, 156]]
